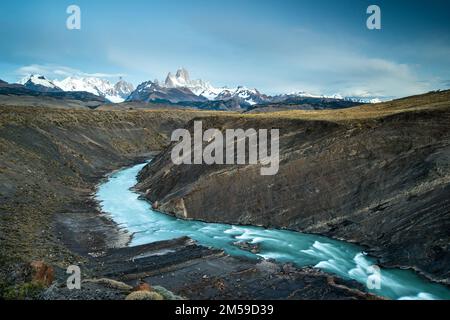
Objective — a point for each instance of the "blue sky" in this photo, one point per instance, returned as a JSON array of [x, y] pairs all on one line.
[[275, 46]]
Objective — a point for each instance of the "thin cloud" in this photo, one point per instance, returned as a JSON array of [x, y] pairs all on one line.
[[446, 83], [57, 72]]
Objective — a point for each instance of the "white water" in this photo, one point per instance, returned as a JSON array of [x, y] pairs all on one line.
[[337, 257]]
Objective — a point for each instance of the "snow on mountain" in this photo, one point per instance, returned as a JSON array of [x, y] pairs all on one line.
[[363, 100], [336, 96], [38, 82], [178, 87], [123, 89], [246, 96], [204, 89], [210, 92], [115, 93], [182, 80], [249, 96], [153, 91], [189, 89], [93, 85]]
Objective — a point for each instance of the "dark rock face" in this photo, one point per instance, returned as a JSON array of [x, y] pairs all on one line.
[[379, 176], [303, 104], [40, 88], [152, 91], [40, 96], [233, 104]]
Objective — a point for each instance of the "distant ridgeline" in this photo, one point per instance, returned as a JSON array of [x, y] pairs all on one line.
[[177, 90]]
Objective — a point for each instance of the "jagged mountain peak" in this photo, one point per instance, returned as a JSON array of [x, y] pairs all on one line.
[[183, 74], [37, 82], [31, 77], [201, 88], [115, 93], [123, 88], [152, 91], [189, 90], [180, 79]]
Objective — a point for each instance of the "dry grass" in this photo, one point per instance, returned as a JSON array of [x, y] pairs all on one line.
[[430, 101], [39, 115]]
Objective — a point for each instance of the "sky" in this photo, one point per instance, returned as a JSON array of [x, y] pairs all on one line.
[[320, 46]]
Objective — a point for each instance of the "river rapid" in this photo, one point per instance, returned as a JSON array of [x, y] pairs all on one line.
[[345, 260]]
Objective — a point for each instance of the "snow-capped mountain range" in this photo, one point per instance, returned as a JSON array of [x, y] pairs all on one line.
[[204, 89], [337, 96], [154, 91], [39, 83], [115, 93], [177, 88]]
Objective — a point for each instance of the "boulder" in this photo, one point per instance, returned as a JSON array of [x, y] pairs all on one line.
[[144, 295], [143, 286], [42, 273]]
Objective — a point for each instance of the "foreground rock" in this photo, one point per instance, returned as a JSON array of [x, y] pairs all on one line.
[[42, 273], [180, 269]]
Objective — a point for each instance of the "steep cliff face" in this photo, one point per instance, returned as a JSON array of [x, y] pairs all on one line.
[[376, 175], [50, 161]]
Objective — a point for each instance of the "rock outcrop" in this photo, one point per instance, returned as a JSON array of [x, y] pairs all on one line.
[[42, 273]]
